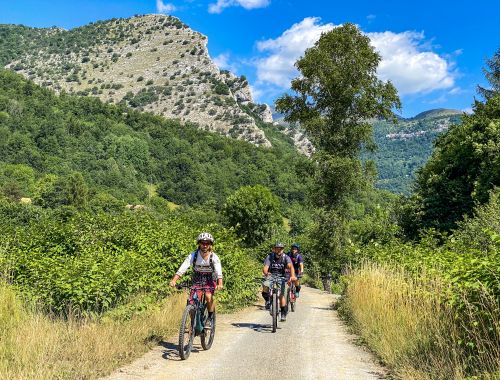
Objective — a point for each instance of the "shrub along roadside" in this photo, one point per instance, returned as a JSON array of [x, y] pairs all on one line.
[[89, 263], [35, 346], [431, 310], [107, 276], [405, 319]]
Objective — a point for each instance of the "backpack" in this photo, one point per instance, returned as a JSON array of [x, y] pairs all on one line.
[[273, 260], [211, 261]]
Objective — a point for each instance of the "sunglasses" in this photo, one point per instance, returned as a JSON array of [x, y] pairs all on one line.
[[205, 242]]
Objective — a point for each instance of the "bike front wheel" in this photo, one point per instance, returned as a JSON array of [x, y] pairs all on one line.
[[207, 337], [186, 332], [274, 313]]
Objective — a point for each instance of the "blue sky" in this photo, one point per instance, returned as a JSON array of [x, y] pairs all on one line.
[[433, 51]]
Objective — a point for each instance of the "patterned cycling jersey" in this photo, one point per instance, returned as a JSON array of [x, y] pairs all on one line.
[[296, 261], [277, 265]]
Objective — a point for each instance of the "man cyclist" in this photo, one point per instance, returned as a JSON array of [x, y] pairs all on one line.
[[298, 265], [279, 264], [207, 266]]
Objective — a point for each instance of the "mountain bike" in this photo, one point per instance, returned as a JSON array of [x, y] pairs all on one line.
[[275, 282], [194, 321], [291, 298]]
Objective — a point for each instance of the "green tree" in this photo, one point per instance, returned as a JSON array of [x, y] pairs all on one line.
[[77, 191], [253, 211], [493, 76], [463, 169], [337, 93]]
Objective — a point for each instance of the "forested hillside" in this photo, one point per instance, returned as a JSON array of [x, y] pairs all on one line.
[[118, 153], [404, 147]]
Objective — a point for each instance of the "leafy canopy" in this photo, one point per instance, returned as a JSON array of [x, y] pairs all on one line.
[[254, 212], [338, 91], [337, 94]]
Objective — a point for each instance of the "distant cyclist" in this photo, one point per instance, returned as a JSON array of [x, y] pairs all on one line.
[[207, 269], [298, 265], [280, 264]]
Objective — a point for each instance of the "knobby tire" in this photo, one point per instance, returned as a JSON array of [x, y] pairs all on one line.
[[208, 339], [293, 298], [186, 332], [274, 307]]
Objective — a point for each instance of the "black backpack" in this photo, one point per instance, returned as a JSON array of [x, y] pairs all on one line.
[[211, 261]]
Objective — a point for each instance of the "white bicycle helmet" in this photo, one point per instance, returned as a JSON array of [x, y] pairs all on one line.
[[205, 236]]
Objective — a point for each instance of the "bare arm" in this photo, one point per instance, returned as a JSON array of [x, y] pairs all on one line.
[[265, 270], [292, 272]]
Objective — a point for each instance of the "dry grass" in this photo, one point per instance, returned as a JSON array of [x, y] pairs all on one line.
[[33, 346], [405, 321]]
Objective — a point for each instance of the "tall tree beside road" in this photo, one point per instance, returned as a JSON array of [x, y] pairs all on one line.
[[253, 211], [337, 93], [464, 166]]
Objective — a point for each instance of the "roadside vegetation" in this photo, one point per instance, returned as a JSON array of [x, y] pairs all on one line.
[[420, 274], [99, 204]]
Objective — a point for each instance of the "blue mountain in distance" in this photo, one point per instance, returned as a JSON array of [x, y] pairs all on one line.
[[403, 147]]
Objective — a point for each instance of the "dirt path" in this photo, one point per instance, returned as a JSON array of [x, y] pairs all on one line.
[[311, 344]]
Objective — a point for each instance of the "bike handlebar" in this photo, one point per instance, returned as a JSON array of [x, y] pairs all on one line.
[[192, 286]]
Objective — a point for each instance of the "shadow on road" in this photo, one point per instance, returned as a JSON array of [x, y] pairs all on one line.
[[254, 326], [323, 308], [260, 307], [171, 351]]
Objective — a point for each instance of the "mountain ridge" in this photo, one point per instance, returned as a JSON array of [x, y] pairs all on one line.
[[153, 63]]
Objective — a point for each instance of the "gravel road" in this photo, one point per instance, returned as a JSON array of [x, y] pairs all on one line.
[[312, 344]]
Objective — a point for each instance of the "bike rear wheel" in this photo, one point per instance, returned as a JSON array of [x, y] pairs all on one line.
[[207, 337], [274, 313], [186, 332]]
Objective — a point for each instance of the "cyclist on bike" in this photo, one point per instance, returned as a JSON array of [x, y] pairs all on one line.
[[298, 265], [207, 266], [277, 263]]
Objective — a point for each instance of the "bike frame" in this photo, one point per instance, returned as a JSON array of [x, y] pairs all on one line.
[[197, 303], [274, 296]]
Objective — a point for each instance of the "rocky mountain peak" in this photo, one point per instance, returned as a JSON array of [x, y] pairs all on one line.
[[153, 63]]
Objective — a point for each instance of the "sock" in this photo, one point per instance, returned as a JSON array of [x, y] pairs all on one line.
[[210, 314], [265, 296], [298, 288], [283, 309]]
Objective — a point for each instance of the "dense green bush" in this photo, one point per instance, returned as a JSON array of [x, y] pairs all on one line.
[[93, 262], [254, 212], [467, 263]]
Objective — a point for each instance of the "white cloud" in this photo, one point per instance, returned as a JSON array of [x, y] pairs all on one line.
[[247, 4], [278, 67], [456, 91], [164, 8], [410, 69], [222, 62], [405, 61]]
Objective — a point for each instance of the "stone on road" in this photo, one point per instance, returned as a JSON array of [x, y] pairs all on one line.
[[312, 344]]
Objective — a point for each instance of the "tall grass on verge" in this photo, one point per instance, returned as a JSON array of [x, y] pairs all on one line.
[[407, 320], [34, 346]]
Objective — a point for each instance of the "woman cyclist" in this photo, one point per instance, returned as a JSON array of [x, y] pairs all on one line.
[[207, 272]]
